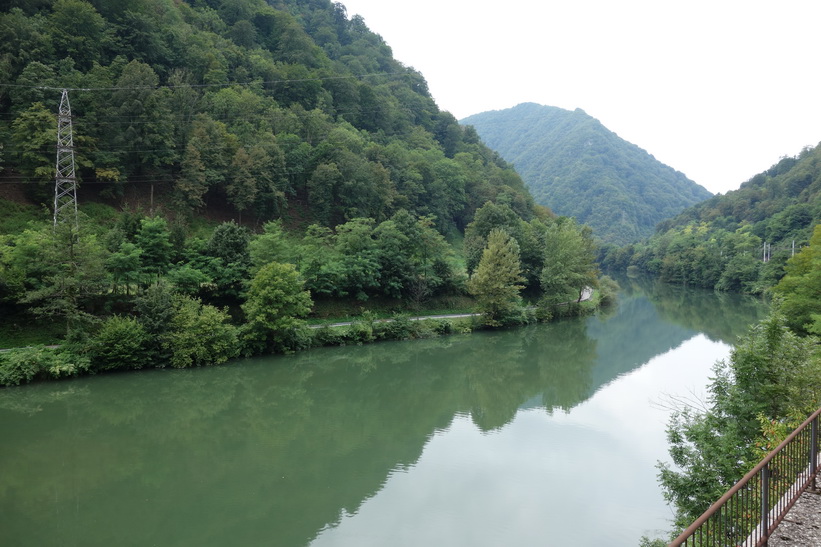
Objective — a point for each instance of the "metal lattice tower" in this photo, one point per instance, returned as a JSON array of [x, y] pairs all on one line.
[[65, 184]]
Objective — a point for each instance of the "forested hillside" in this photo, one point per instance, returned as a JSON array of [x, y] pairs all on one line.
[[739, 241], [240, 162], [285, 108], [577, 167]]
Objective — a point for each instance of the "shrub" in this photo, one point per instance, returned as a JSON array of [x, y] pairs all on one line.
[[121, 343], [360, 332], [200, 335], [17, 367], [441, 326], [23, 365], [328, 336], [400, 328]]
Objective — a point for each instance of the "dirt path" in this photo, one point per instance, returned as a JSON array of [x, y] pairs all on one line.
[[587, 293]]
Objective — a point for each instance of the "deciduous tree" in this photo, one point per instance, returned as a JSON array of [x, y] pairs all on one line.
[[275, 306], [496, 283]]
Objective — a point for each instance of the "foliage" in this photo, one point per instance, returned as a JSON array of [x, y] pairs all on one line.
[[275, 304], [260, 108], [121, 343], [772, 373], [801, 286], [199, 335], [496, 281], [569, 263], [292, 118], [58, 272], [367, 329], [530, 236], [154, 240], [740, 241], [577, 167], [402, 257], [19, 366], [655, 542]]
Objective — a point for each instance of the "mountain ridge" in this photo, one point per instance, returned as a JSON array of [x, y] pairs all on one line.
[[576, 166]]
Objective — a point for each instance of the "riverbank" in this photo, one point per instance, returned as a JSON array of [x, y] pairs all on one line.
[[42, 362]]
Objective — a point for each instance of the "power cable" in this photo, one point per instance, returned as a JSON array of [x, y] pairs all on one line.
[[176, 86]]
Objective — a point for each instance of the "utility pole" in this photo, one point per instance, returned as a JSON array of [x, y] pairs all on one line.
[[65, 182]]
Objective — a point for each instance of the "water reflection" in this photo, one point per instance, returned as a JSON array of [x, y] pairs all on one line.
[[721, 316], [283, 451]]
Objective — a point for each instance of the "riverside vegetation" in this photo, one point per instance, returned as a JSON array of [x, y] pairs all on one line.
[[142, 302], [343, 180], [771, 382]]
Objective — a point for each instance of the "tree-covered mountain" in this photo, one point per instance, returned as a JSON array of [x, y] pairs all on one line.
[[577, 167], [269, 109], [739, 241]]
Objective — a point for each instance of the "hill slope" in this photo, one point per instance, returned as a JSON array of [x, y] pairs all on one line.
[[283, 108], [739, 241], [577, 167]]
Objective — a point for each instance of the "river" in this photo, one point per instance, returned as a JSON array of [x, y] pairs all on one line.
[[544, 435]]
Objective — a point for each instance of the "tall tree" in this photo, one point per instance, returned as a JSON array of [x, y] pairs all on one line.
[[76, 277], [154, 240], [146, 136], [242, 185], [496, 281], [34, 133], [275, 306], [569, 262]]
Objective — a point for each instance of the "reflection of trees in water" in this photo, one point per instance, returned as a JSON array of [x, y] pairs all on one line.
[[278, 447], [565, 371], [285, 442], [719, 315], [631, 337]]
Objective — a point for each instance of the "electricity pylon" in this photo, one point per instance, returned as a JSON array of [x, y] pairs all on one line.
[[65, 183]]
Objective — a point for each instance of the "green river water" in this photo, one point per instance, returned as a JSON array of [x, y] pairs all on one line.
[[544, 435]]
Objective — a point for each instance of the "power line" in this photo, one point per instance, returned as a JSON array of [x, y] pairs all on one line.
[[228, 84]]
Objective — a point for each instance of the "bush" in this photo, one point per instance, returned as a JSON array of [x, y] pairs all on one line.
[[23, 365], [609, 289], [328, 336], [296, 339], [441, 326], [400, 328], [17, 367], [360, 332], [200, 335], [121, 343]]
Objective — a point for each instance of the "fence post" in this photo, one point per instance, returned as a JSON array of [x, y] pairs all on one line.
[[765, 502], [814, 451]]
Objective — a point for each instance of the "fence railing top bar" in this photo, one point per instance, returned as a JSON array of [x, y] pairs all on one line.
[[743, 481]]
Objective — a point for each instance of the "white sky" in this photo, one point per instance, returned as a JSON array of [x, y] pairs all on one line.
[[718, 89]]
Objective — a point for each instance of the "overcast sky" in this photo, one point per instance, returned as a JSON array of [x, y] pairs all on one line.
[[718, 89]]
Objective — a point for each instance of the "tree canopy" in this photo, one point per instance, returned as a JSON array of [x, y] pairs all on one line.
[[290, 109]]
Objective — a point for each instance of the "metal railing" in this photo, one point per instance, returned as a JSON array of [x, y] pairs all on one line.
[[752, 509]]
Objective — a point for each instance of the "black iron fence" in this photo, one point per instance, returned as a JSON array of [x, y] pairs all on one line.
[[752, 509]]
